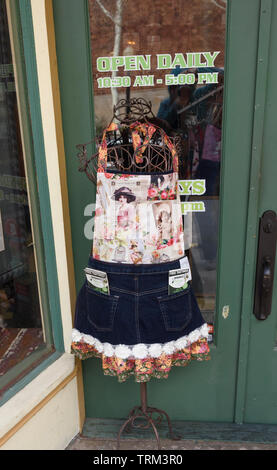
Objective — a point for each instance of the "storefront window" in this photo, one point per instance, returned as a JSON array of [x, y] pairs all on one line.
[[171, 54], [21, 328]]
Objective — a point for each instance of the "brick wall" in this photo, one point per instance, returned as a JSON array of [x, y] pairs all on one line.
[[158, 26]]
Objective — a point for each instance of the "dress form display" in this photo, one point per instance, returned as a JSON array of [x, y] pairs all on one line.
[[136, 326]]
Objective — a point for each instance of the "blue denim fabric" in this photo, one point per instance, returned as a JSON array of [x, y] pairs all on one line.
[[138, 309]]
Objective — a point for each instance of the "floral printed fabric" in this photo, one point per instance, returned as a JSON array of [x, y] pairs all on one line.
[[102, 154], [146, 368], [138, 219], [138, 129], [147, 131]]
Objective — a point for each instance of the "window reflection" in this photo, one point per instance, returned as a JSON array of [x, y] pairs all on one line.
[[20, 319], [189, 109]]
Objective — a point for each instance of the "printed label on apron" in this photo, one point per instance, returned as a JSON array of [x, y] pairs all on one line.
[[184, 264], [178, 280], [98, 280]]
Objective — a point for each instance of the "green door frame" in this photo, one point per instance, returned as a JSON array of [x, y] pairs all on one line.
[[259, 380], [265, 13], [238, 210], [28, 94]]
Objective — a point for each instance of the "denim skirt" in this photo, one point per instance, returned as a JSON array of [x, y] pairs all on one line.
[[138, 328]]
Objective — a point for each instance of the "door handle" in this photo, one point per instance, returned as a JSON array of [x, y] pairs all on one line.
[[265, 265], [267, 276]]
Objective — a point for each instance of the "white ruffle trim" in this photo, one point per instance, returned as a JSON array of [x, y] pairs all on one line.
[[141, 350]]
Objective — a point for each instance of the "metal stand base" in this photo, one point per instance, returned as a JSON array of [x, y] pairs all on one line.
[[144, 413]]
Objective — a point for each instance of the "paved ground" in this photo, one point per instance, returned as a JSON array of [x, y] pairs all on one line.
[[85, 443]]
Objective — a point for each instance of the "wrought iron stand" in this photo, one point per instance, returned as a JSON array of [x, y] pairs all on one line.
[[144, 413]]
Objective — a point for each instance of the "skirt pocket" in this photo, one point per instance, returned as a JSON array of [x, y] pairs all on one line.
[[176, 310], [101, 309]]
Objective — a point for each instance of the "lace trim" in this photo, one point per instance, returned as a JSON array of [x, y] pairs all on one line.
[[141, 351]]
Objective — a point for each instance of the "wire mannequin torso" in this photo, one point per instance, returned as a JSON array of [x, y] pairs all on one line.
[[156, 156]]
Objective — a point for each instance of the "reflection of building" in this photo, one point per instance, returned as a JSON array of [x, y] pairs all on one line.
[[196, 29]]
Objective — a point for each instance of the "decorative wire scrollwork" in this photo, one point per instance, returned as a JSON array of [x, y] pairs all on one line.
[[138, 417], [136, 109], [141, 417], [120, 152]]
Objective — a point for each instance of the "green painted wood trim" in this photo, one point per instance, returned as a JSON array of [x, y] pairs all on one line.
[[261, 389], [20, 384], [71, 21], [239, 92], [51, 280], [252, 218], [22, 97], [28, 96], [15, 373]]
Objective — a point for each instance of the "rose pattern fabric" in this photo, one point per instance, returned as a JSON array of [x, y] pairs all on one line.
[[143, 369]]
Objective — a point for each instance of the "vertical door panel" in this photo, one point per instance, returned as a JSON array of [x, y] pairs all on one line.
[[261, 390]]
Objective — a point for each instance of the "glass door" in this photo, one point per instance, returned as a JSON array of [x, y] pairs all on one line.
[[172, 57], [185, 58]]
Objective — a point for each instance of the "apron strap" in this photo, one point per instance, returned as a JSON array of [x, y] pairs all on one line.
[[147, 130], [103, 152]]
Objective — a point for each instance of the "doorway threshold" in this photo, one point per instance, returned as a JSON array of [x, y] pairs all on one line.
[[107, 429]]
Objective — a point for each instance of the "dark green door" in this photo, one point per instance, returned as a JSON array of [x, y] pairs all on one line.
[[221, 389], [257, 374]]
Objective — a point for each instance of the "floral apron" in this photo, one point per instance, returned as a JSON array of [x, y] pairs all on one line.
[[138, 328], [138, 217]]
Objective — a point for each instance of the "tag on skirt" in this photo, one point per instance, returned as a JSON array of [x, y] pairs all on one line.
[[178, 280], [97, 280], [184, 264]]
